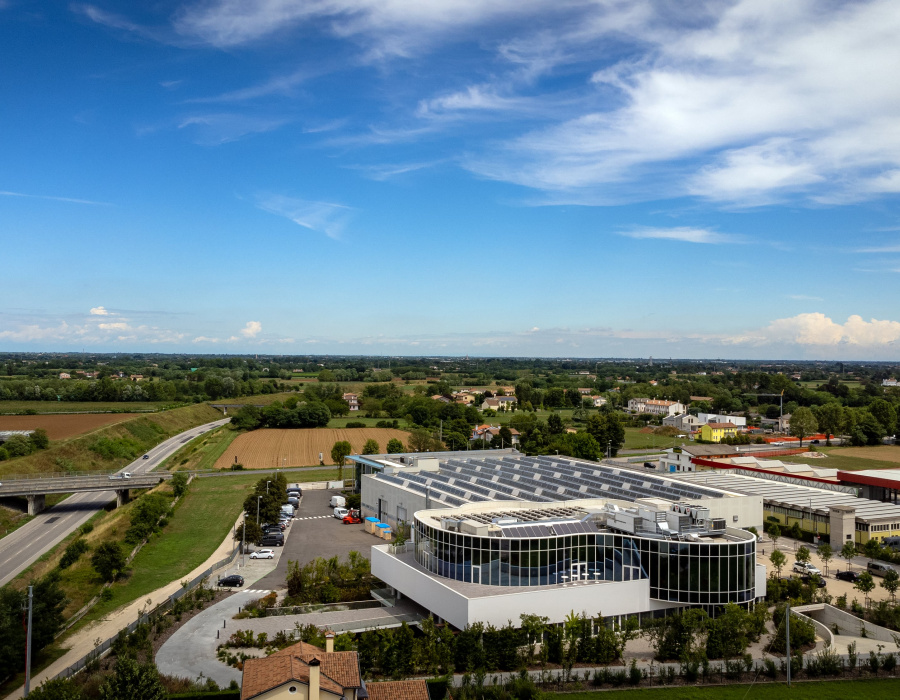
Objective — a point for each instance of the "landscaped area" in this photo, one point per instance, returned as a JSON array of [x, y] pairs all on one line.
[[851, 458], [810, 690]]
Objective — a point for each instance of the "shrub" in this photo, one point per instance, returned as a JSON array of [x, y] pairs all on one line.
[[356, 424], [73, 552], [86, 528]]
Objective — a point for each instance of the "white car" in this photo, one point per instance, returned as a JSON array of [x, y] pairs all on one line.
[[339, 513], [263, 554], [806, 568]]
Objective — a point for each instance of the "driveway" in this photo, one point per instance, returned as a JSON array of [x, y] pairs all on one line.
[[315, 532]]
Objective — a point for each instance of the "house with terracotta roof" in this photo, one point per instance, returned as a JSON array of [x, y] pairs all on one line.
[[352, 401], [488, 432], [716, 432], [305, 672], [499, 403]]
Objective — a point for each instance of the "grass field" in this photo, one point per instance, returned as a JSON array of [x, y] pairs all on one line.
[[201, 453], [271, 448], [852, 458], [13, 407], [881, 689], [636, 440], [63, 427]]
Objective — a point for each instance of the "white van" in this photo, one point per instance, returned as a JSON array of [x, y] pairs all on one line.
[[289, 509], [339, 513], [338, 502]]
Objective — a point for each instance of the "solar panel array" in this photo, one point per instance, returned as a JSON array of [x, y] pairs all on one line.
[[462, 479]]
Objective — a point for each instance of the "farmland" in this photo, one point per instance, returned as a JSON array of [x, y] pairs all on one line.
[[267, 448], [63, 427], [19, 407]]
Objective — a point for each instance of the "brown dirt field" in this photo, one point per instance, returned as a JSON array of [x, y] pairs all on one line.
[[62, 427], [299, 447], [884, 453]]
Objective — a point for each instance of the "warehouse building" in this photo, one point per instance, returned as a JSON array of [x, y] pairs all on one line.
[[495, 534]]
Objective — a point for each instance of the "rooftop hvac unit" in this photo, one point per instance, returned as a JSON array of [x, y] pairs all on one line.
[[717, 524], [450, 524], [504, 521]]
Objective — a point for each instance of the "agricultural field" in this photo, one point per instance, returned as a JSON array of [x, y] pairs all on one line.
[[270, 448], [201, 453], [815, 690], [62, 427], [19, 407]]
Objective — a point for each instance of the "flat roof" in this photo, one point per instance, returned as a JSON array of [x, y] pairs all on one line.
[[794, 495]]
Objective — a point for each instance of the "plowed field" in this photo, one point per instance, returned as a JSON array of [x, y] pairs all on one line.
[[300, 447], [885, 453], [62, 427]]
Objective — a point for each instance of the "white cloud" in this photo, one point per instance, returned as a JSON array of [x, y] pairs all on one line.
[[205, 339], [804, 297], [252, 329], [818, 329], [683, 233], [70, 200], [328, 218], [99, 311], [119, 326], [216, 129]]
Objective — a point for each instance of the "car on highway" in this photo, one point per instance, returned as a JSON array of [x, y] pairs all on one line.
[[146, 456], [804, 567], [850, 576], [122, 475], [233, 581], [263, 554]]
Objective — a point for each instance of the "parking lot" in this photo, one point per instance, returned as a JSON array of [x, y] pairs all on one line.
[[314, 532]]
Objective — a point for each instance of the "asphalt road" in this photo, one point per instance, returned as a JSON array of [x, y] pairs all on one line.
[[22, 547], [315, 532]]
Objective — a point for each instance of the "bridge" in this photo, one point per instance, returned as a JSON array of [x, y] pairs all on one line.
[[34, 490]]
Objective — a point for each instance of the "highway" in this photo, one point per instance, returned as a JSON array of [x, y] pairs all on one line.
[[21, 548]]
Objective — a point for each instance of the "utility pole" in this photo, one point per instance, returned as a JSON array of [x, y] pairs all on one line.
[[28, 644], [258, 499], [244, 541]]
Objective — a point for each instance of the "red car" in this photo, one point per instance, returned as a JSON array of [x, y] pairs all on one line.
[[352, 518]]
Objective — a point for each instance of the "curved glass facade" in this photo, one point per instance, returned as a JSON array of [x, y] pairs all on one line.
[[704, 573]]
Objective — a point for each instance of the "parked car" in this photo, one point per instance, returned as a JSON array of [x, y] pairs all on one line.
[[295, 492], [235, 581], [340, 513], [876, 568], [272, 539], [820, 582], [263, 554], [806, 568], [294, 501], [850, 576]]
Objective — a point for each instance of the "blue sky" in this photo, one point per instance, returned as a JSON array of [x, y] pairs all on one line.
[[520, 177]]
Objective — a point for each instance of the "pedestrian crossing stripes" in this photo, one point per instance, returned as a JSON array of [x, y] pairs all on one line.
[[314, 517], [260, 591]]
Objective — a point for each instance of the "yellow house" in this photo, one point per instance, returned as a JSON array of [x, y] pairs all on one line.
[[715, 432]]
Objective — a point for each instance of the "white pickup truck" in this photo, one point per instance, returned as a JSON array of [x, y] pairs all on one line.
[[120, 475]]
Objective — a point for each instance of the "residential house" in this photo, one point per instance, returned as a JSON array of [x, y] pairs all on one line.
[[739, 421], [136, 377], [65, 375], [499, 403], [585, 392], [463, 397], [441, 398], [657, 407], [489, 432], [890, 382], [698, 399], [784, 423], [307, 672], [598, 401], [678, 459], [352, 400], [684, 422], [716, 432]]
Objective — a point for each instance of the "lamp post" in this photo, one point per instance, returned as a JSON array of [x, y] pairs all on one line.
[[258, 499], [267, 487]]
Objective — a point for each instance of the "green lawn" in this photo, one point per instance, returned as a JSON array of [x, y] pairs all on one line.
[[84, 406], [202, 452], [817, 690], [636, 440], [836, 460]]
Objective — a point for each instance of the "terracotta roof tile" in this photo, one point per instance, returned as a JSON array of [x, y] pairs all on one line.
[[398, 690]]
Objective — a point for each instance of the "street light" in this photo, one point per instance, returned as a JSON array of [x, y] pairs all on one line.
[[267, 487], [258, 499]]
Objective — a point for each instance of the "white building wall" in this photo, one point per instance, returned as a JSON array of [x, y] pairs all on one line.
[[760, 580], [394, 499], [609, 598], [737, 421], [738, 511]]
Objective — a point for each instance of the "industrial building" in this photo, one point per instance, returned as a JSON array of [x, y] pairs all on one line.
[[495, 534]]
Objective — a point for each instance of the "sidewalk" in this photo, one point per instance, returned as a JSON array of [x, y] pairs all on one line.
[[83, 642]]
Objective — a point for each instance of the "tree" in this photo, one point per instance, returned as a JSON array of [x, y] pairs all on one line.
[[825, 554], [831, 418], [803, 423], [555, 424], [872, 548], [886, 415], [891, 582], [774, 534], [133, 680], [394, 446], [778, 560], [39, 439], [420, 440], [848, 551], [57, 689], [339, 453], [254, 532], [371, 447], [802, 555], [865, 584], [179, 484], [108, 560]]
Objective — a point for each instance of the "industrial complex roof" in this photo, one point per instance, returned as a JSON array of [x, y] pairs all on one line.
[[791, 495], [481, 476]]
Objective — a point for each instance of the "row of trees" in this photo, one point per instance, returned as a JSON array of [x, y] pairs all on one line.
[[329, 580], [22, 445], [278, 415]]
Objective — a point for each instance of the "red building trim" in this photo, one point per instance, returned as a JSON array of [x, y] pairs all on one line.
[[719, 465], [854, 478]]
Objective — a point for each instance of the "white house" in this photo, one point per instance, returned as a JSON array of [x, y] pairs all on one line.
[[497, 402], [736, 421], [353, 400], [683, 421]]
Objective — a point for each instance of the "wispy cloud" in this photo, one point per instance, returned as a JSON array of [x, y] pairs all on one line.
[[388, 171], [70, 200], [279, 85], [325, 217], [880, 249], [804, 297], [685, 234], [216, 129]]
